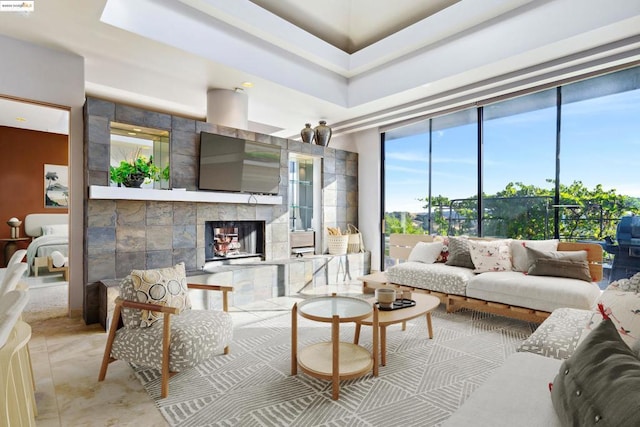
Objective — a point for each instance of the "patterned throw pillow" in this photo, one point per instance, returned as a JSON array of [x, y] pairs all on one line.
[[162, 286], [459, 252], [624, 310], [494, 255], [444, 253]]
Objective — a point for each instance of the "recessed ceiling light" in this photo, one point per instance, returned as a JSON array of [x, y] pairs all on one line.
[[247, 84], [131, 133], [20, 119], [137, 130]]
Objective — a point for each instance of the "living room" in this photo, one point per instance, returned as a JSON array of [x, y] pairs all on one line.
[[604, 43]]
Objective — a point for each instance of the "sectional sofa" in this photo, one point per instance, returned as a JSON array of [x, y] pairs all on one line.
[[575, 369], [516, 278]]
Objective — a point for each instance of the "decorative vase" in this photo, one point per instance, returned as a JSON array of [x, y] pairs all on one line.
[[322, 133], [307, 133]]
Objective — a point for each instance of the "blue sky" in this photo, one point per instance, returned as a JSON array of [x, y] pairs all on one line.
[[600, 145]]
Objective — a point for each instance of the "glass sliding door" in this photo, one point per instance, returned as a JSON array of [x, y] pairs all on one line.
[[406, 179], [454, 173], [600, 143], [519, 137]]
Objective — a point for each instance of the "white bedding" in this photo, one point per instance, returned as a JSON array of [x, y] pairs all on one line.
[[44, 245]]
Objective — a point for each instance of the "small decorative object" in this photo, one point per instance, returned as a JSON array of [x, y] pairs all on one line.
[[385, 297], [322, 133], [14, 223], [307, 133], [133, 173]]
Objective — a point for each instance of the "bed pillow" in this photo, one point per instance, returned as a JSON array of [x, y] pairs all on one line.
[[162, 286], [519, 257], [459, 254], [61, 229], [494, 255], [569, 264], [599, 382], [425, 252]]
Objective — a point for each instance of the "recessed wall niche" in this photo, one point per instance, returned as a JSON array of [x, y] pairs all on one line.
[[131, 142]]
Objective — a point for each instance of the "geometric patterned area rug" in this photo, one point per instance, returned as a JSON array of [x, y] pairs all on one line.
[[423, 383]]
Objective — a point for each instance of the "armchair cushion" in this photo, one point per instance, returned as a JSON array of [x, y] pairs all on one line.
[[196, 335], [162, 286]]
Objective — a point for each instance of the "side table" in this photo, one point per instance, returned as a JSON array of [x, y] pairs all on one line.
[[11, 246], [334, 360]]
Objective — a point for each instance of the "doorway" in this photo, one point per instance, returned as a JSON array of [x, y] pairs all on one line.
[[34, 148]]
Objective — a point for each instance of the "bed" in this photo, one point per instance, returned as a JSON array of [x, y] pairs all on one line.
[[50, 233]]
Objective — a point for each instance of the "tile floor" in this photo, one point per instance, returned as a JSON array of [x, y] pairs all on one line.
[[66, 357]]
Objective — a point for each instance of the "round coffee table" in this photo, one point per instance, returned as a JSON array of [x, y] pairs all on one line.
[[334, 360], [424, 305]]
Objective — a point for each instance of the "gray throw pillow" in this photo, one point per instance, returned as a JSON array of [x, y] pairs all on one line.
[[600, 383], [570, 264], [459, 254], [561, 268]]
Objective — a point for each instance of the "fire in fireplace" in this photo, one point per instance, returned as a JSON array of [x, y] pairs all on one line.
[[234, 239]]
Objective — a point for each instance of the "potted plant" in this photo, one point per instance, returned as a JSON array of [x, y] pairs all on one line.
[[134, 172]]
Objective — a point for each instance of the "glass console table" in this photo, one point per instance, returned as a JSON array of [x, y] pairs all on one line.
[[334, 360]]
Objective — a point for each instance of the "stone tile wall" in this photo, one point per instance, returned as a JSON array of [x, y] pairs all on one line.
[[121, 235]]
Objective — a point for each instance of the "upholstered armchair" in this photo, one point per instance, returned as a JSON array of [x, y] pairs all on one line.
[[158, 328]]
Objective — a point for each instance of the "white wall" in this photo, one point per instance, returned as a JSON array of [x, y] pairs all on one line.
[[33, 73], [367, 145]]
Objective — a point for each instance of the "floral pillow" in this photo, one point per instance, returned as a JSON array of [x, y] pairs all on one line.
[[162, 286], [494, 255], [444, 253]]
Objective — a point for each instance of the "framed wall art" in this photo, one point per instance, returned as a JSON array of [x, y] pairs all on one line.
[[56, 186]]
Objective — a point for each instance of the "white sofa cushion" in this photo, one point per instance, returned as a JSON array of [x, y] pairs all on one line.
[[516, 394], [537, 292], [435, 277]]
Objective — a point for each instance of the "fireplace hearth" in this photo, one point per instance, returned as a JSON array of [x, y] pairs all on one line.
[[234, 239]]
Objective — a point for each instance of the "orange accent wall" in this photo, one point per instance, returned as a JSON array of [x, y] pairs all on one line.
[[23, 154]]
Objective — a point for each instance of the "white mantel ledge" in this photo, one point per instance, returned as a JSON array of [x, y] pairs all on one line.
[[124, 193]]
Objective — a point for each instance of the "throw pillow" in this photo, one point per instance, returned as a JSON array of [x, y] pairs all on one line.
[[459, 254], [444, 254], [599, 383], [569, 264], [425, 252], [162, 286], [561, 268], [490, 256], [624, 310], [519, 257]]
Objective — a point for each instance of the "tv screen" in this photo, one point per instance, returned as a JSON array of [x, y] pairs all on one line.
[[233, 164]]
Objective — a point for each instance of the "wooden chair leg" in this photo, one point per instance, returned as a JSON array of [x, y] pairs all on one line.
[[106, 359], [166, 342]]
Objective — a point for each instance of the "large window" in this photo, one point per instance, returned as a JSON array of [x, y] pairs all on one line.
[[556, 163], [519, 141]]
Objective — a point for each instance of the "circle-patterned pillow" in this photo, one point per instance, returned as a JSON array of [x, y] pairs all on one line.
[[162, 286]]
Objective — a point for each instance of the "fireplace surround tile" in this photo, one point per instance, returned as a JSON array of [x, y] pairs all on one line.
[[130, 239]]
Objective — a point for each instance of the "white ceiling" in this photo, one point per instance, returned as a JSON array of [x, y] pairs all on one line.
[[354, 63]]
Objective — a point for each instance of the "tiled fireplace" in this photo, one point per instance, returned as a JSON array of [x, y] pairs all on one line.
[[233, 239], [122, 235]]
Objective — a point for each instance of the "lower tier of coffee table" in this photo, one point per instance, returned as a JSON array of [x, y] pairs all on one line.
[[317, 360]]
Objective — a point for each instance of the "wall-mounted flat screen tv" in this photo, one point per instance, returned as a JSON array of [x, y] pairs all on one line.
[[238, 165]]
